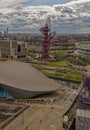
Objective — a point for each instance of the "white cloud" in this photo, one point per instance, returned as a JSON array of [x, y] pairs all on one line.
[[78, 2], [6, 3], [73, 15]]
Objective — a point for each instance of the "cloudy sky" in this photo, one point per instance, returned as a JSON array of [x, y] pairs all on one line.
[[67, 16], [45, 2]]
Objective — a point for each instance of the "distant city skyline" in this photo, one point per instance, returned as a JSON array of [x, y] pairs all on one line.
[[67, 16]]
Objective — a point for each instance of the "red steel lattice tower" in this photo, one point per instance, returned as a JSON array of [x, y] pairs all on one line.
[[47, 38]]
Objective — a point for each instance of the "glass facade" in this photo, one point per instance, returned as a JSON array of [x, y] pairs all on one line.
[[5, 94]]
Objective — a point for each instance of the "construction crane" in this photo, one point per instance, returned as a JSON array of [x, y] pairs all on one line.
[[47, 39]]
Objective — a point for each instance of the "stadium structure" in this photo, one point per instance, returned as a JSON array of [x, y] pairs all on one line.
[[21, 80], [83, 48]]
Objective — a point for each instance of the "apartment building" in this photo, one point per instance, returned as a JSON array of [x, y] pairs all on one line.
[[12, 49]]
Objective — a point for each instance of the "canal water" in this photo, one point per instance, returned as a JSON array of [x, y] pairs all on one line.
[[67, 83]]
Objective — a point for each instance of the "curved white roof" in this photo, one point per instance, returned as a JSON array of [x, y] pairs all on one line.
[[23, 76]]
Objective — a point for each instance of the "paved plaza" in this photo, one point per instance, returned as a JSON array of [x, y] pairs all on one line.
[[44, 112]]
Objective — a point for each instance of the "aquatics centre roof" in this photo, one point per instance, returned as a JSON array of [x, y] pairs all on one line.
[[17, 77]]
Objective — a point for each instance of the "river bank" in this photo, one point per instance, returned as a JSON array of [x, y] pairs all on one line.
[[64, 79]]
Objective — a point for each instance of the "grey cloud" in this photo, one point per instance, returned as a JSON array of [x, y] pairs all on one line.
[[63, 17]]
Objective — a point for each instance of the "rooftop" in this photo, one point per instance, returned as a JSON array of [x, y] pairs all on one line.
[[85, 45], [23, 76], [83, 113]]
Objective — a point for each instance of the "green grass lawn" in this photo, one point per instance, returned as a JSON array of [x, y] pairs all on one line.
[[65, 67], [67, 72], [58, 51], [63, 63], [51, 73], [76, 76], [67, 75]]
